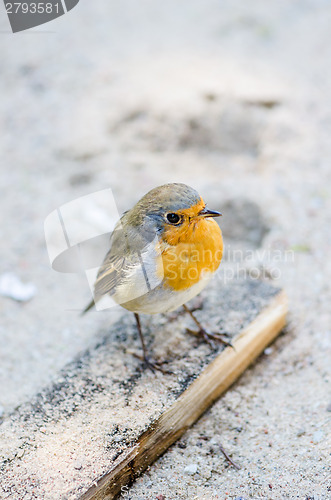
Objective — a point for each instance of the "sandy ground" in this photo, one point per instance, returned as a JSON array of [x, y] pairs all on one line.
[[233, 99]]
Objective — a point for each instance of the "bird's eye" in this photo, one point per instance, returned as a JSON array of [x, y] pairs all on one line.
[[173, 218]]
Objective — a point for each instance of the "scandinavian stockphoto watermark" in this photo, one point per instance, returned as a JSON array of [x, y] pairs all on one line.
[[29, 14], [78, 238], [245, 263]]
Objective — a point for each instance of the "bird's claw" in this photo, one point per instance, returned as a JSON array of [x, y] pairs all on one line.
[[210, 337], [153, 365]]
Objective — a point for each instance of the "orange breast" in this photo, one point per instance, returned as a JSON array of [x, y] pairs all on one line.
[[190, 252]]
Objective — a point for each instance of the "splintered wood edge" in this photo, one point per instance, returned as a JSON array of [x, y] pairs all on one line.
[[215, 379]]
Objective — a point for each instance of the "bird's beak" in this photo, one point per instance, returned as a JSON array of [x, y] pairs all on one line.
[[209, 213]]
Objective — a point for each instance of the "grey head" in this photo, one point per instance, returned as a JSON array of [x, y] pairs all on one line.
[[161, 200]]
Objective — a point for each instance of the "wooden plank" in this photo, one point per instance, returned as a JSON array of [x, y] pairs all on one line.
[[104, 418], [215, 379]]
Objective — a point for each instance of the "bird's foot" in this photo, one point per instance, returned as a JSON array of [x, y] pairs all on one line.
[[209, 337], [153, 365]]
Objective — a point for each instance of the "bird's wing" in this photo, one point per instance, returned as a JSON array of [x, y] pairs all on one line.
[[123, 262], [126, 247], [108, 277], [109, 274]]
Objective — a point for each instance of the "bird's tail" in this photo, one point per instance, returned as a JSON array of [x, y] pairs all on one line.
[[88, 307]]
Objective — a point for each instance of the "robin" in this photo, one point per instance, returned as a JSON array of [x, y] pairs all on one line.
[[162, 253]]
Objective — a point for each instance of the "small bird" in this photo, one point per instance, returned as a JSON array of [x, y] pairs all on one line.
[[162, 253]]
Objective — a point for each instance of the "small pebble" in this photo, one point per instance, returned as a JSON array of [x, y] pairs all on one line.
[[78, 466], [301, 432], [118, 438], [20, 454], [268, 351], [328, 408], [318, 436], [191, 469], [11, 286]]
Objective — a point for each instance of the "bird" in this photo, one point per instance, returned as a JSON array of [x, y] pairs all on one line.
[[163, 252]]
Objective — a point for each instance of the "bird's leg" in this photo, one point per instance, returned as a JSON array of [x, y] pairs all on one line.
[[152, 365], [208, 337]]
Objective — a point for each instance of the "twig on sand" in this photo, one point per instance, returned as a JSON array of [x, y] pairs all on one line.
[[229, 459]]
